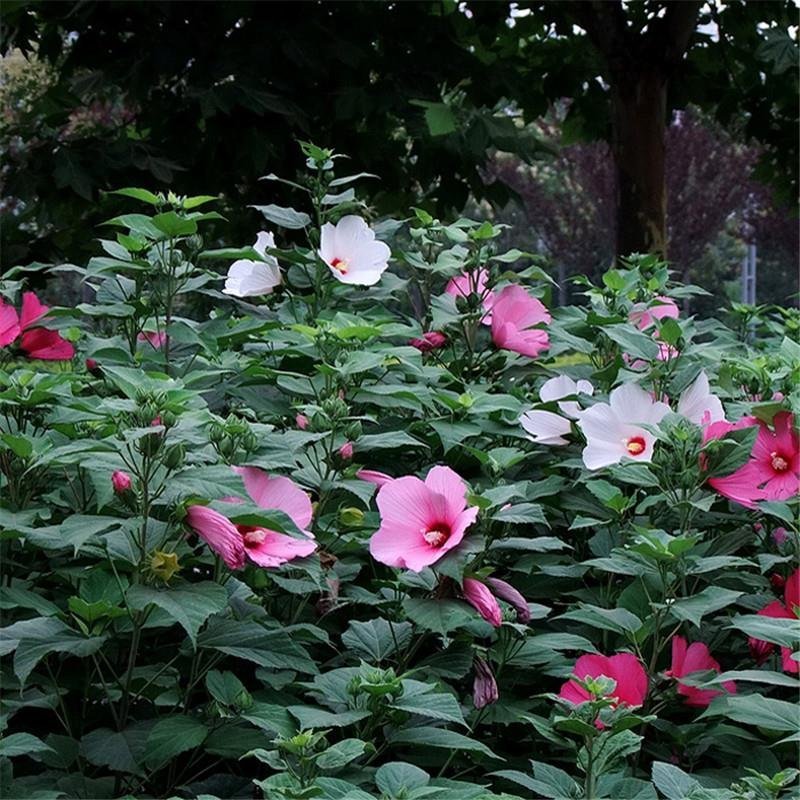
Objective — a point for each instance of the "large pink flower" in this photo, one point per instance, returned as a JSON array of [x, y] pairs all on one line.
[[514, 313], [788, 609], [421, 520], [694, 658], [35, 341], [265, 547], [773, 471], [624, 668]]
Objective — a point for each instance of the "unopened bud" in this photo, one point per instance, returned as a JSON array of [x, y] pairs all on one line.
[[121, 481]]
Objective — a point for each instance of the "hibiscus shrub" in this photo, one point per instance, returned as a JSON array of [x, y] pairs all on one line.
[[375, 523]]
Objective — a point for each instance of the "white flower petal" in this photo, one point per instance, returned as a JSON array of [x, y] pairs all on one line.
[[251, 278], [556, 388], [597, 455], [264, 240], [545, 427], [698, 404], [352, 253]]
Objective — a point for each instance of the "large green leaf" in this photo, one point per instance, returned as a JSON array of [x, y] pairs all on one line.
[[440, 737], [755, 709], [376, 639], [33, 639], [189, 604], [171, 736]]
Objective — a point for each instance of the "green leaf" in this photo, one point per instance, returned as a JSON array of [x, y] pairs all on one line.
[[712, 598], [252, 642], [115, 749], [171, 736], [755, 709], [619, 620], [398, 778], [73, 532], [376, 639], [522, 514], [33, 639], [313, 717], [785, 632], [285, 217], [227, 689], [435, 706], [174, 225], [189, 604], [22, 744], [342, 753], [672, 781], [440, 737], [440, 616], [138, 194]]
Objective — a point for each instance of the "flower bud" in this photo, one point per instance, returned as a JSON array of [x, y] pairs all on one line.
[[350, 517], [301, 420], [174, 456], [346, 451], [777, 581], [432, 340], [93, 368], [353, 431], [484, 685], [505, 591], [479, 596], [121, 481]]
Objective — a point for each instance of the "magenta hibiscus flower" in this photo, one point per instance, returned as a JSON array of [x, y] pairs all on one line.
[[695, 657], [624, 668]]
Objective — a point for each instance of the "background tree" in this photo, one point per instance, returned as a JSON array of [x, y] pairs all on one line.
[[210, 97]]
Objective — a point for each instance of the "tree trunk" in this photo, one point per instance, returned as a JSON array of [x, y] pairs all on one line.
[[638, 107]]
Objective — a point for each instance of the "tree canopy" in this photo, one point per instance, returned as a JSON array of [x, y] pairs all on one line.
[[210, 97]]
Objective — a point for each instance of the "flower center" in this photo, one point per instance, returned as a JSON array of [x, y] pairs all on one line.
[[252, 536], [340, 265], [635, 445], [779, 462], [437, 535]]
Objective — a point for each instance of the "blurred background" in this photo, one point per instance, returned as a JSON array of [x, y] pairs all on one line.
[[594, 128]]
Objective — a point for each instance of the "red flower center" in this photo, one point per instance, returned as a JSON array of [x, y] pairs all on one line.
[[340, 265], [252, 536], [437, 534], [779, 462], [635, 445]]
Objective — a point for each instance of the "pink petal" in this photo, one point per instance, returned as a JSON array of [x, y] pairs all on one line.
[[32, 310], [278, 548], [631, 679], [9, 324], [219, 533], [443, 481], [46, 345], [791, 591], [373, 476], [279, 493]]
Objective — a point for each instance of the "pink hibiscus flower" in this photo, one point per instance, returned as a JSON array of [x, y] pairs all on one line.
[[694, 658], [35, 341], [267, 548], [421, 520], [514, 313], [773, 471], [788, 609], [624, 668]]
